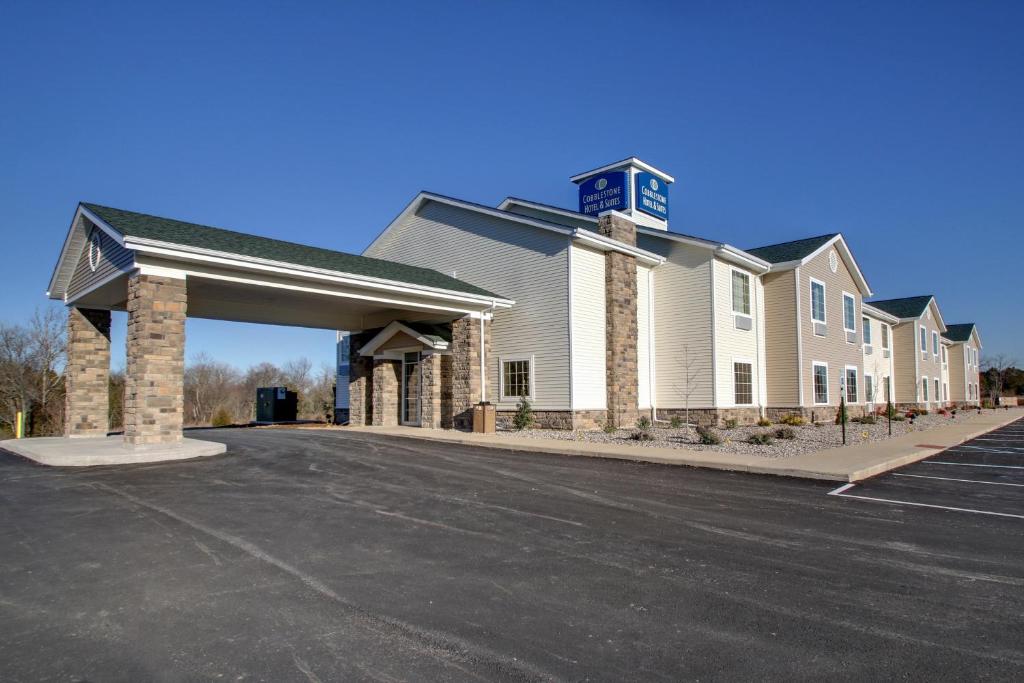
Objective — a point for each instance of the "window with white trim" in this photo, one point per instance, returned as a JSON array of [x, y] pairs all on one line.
[[866, 324], [820, 375], [740, 292], [869, 388], [516, 378], [924, 339], [851, 385], [743, 383], [937, 394], [817, 301], [885, 336], [944, 355], [924, 388], [849, 313], [935, 343]]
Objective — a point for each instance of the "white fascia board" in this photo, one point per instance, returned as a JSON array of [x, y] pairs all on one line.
[[629, 161], [176, 251], [724, 251], [608, 244], [512, 201], [976, 334], [878, 314], [56, 288], [938, 315], [393, 328]]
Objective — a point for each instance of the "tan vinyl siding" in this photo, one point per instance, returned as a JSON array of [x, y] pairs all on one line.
[[529, 265], [833, 347], [914, 365], [906, 357], [114, 259], [588, 329], [733, 345], [682, 324], [957, 373], [400, 340], [780, 332]]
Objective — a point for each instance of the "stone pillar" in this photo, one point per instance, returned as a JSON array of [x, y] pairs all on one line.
[[386, 387], [87, 374], [360, 369], [430, 401], [621, 323], [465, 368], [154, 377]]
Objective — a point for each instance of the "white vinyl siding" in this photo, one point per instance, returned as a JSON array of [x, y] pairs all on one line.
[[588, 329], [682, 323], [732, 343], [528, 265], [644, 357]]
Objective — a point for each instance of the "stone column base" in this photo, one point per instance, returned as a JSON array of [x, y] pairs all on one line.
[[87, 373]]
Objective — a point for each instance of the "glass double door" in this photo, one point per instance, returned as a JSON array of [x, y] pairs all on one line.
[[411, 388]]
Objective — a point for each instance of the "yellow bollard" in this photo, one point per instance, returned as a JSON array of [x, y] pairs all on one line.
[[19, 425]]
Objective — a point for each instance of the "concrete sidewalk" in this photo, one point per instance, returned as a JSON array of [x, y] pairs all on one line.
[[847, 463]]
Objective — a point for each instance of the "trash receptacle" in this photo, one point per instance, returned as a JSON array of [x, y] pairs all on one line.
[[484, 415]]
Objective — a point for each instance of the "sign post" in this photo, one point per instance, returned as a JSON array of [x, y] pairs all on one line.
[[842, 403]]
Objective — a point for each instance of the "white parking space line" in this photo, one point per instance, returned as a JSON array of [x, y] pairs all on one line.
[[925, 505], [1007, 450], [971, 464], [844, 487], [985, 438], [969, 481]]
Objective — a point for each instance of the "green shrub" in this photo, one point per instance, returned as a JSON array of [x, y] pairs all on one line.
[[708, 436], [760, 439], [641, 435], [898, 418], [764, 422], [865, 420], [644, 423], [676, 422], [609, 428], [523, 418], [731, 422], [793, 420], [222, 418], [785, 433]]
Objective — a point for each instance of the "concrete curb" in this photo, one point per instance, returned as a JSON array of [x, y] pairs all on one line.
[[58, 451], [845, 464]]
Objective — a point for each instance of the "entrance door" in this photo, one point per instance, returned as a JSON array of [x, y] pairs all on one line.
[[411, 388]]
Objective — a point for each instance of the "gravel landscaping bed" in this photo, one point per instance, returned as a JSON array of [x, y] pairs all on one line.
[[809, 438]]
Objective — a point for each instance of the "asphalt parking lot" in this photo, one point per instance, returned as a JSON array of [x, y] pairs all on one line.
[[983, 476], [326, 555]]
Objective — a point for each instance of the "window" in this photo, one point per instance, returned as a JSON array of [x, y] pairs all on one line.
[[924, 340], [924, 388], [740, 293], [885, 336], [935, 343], [945, 391], [869, 388], [743, 381], [937, 390], [820, 383], [849, 313], [817, 301], [943, 355], [515, 378], [851, 385], [866, 324]]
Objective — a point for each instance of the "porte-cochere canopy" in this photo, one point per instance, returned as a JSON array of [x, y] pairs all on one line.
[[161, 270]]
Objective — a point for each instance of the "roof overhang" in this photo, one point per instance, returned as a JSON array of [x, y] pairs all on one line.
[[72, 248], [844, 252], [878, 314], [396, 327], [628, 161]]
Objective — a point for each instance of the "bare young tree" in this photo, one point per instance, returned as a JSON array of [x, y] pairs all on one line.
[[31, 360], [688, 382], [209, 386], [16, 378], [48, 343]]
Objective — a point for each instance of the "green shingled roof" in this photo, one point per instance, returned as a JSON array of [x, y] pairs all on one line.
[[960, 332], [909, 307], [130, 223], [790, 251]]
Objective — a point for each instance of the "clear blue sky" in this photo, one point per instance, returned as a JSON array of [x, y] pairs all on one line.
[[899, 124]]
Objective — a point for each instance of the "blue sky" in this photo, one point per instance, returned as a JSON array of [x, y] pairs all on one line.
[[898, 124]]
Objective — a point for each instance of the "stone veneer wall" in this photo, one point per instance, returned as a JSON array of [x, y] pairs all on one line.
[[465, 371], [817, 413], [621, 323], [447, 405], [87, 373], [430, 399], [154, 376], [386, 388], [360, 395], [558, 419]]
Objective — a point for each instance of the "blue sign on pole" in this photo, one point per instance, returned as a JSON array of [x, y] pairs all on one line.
[[652, 195], [604, 192]]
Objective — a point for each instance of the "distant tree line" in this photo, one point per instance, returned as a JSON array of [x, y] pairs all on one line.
[[1000, 376], [32, 361]]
